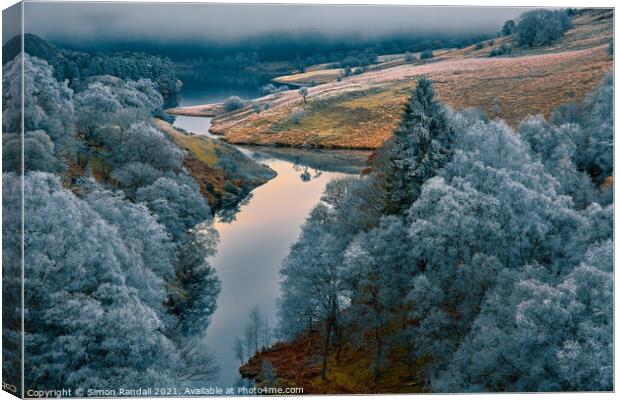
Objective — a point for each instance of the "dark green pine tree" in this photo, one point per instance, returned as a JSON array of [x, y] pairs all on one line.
[[421, 145]]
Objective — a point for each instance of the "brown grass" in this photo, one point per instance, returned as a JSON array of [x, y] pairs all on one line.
[[361, 111], [200, 161], [342, 115], [298, 364], [206, 110], [315, 76]]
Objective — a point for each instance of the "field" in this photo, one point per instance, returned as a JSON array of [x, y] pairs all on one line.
[[361, 111], [316, 76]]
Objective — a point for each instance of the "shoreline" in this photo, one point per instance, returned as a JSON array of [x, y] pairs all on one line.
[[209, 111], [201, 110]]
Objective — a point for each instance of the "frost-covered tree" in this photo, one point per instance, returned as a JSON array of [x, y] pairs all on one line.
[[198, 362], [508, 28], [532, 212], [147, 145], [541, 27], [177, 204], [253, 328], [556, 150], [107, 100], [48, 110], [38, 152], [303, 92], [592, 133], [78, 286], [134, 175], [595, 140], [535, 333], [233, 103], [312, 281], [378, 282], [239, 350], [426, 54], [420, 147], [149, 242]]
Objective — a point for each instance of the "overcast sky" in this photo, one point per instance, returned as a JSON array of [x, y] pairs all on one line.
[[68, 22]]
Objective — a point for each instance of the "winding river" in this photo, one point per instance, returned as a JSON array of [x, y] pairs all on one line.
[[252, 246]]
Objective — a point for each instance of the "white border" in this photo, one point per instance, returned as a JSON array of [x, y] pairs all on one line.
[[487, 3]]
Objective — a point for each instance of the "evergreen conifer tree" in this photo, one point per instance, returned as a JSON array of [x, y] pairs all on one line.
[[420, 147]]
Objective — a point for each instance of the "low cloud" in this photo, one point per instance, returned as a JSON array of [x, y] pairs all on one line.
[[232, 22]]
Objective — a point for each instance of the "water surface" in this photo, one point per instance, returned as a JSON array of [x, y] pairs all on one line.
[[253, 245]]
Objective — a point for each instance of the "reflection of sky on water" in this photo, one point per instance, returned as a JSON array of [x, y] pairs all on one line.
[[255, 240], [250, 253]]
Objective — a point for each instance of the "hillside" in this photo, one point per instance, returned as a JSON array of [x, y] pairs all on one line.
[[76, 66], [224, 174], [361, 111], [411, 302], [295, 364]]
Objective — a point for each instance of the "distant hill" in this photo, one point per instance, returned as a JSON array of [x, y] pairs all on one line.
[[33, 45], [361, 111], [74, 66]]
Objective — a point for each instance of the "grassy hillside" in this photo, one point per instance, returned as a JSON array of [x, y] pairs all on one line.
[[361, 111], [224, 174]]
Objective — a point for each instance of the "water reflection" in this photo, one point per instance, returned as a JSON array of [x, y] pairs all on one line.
[[256, 233], [317, 160], [250, 253], [306, 176], [228, 214], [196, 125]]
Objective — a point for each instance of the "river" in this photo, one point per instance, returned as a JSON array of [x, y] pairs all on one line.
[[253, 244]]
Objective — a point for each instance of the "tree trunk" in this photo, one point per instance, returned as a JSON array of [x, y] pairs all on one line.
[[338, 332], [328, 334], [329, 326], [379, 342], [378, 355]]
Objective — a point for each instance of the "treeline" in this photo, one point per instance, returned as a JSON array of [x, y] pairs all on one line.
[[472, 257], [538, 27], [533, 28], [77, 66], [118, 291], [304, 51]]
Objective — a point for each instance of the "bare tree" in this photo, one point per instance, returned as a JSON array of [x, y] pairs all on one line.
[[266, 334], [239, 353], [198, 362], [253, 331], [303, 91]]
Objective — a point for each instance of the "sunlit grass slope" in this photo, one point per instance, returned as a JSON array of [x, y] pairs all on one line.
[[361, 111]]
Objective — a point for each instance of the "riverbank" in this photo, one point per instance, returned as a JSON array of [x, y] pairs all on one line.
[[248, 259], [205, 110], [298, 364], [224, 174]]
